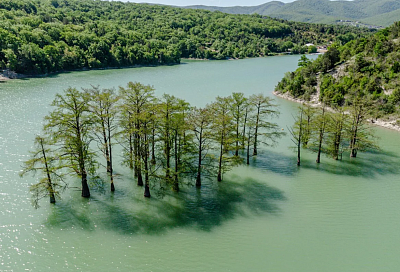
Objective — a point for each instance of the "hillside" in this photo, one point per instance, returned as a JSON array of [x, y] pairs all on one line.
[[374, 12], [264, 9], [366, 69], [40, 36], [384, 19]]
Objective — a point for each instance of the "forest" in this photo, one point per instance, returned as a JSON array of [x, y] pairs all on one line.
[[165, 141], [364, 69], [46, 36]]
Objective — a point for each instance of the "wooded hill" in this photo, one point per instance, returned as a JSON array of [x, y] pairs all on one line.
[[43, 36], [374, 12], [366, 69]]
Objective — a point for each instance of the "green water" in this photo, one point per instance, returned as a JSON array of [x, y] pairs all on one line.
[[272, 216]]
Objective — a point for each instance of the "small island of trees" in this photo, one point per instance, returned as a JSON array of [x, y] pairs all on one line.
[[164, 140]]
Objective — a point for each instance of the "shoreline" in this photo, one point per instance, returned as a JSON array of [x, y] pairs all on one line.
[[378, 122], [6, 75]]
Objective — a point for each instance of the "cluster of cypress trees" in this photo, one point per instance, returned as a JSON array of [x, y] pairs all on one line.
[[322, 130], [164, 140]]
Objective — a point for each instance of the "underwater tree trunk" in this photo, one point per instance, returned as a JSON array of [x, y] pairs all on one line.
[[198, 178]]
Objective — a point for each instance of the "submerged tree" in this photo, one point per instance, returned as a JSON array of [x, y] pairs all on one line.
[[264, 131], [200, 123], [336, 130], [223, 133], [168, 107], [319, 125], [136, 100], [70, 125], [248, 129], [297, 131], [308, 119], [181, 143], [359, 133], [239, 116], [51, 183], [147, 139], [103, 106]]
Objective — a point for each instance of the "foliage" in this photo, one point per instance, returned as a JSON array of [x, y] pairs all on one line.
[[369, 66], [333, 133], [45, 160], [164, 140], [70, 126], [38, 36]]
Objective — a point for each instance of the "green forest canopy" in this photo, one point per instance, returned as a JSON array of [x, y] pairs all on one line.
[[42, 36], [368, 68]]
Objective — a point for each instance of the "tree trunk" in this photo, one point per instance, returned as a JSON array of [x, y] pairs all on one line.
[[244, 128], [321, 135], [237, 136], [130, 151], [336, 147], [319, 156], [138, 163], [299, 137], [140, 177], [136, 154], [50, 184], [147, 191], [198, 178], [85, 186], [219, 178], [307, 138], [353, 142], [353, 153], [81, 159], [256, 131], [298, 152], [109, 148], [176, 181], [248, 148], [106, 153], [146, 168], [153, 147], [52, 197]]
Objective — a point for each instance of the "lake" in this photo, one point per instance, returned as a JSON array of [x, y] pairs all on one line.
[[270, 216]]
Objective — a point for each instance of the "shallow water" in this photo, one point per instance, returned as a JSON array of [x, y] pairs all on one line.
[[272, 216]]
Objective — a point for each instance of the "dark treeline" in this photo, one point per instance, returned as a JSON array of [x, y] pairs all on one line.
[[164, 140], [368, 68], [39, 36]]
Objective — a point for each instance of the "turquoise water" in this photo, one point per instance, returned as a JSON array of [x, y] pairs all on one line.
[[271, 216]]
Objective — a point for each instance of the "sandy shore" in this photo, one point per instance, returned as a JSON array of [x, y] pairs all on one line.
[[3, 78], [389, 124]]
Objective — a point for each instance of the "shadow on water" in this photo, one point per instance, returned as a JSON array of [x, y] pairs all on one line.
[[200, 209], [63, 215], [366, 165], [275, 162]]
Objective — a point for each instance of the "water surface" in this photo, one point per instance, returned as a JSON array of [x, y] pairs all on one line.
[[271, 216]]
